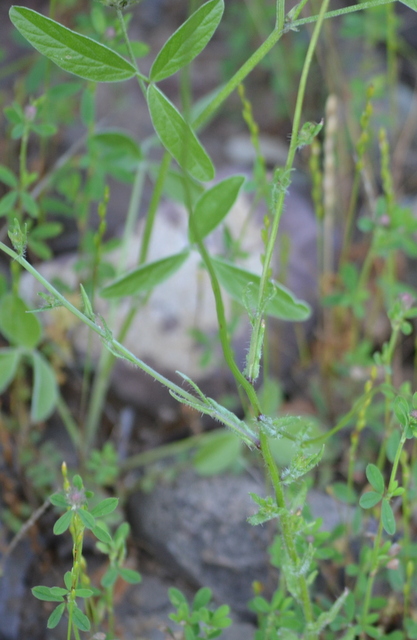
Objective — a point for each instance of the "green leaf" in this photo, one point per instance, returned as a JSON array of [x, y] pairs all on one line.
[[146, 277], [101, 533], [117, 151], [342, 492], [267, 511], [178, 186], [236, 282], [84, 593], [109, 577], [9, 360], [29, 204], [62, 523], [103, 508], [369, 499], [86, 518], [388, 519], [47, 230], [80, 619], [375, 478], [18, 326], [219, 452], [45, 388], [58, 500], [202, 598], [56, 616], [130, 575], [8, 177], [7, 202], [69, 50], [176, 597], [45, 593], [412, 4], [401, 410], [178, 137], [188, 41], [214, 205]]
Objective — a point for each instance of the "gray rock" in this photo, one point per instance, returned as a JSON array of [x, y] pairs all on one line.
[[198, 528]]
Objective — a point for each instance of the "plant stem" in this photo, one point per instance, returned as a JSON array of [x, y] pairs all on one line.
[[266, 268], [139, 76], [118, 349], [287, 532]]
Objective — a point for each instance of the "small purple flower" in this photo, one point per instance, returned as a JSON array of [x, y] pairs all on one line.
[[30, 112], [384, 220], [110, 32], [76, 498], [406, 299]]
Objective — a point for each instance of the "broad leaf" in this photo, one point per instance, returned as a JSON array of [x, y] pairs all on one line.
[[9, 360], [45, 390], [178, 137], [214, 205], [69, 50], [188, 41], [146, 277], [236, 281], [18, 326]]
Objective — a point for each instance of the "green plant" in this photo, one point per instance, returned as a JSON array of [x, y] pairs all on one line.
[[292, 612]]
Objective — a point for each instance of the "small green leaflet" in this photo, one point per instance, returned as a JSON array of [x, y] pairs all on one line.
[[145, 277], [45, 391], [188, 41], [283, 303], [9, 359], [69, 50], [18, 326], [177, 136], [214, 204]]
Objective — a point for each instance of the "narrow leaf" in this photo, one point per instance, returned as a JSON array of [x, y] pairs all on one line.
[[130, 575], [188, 41], [45, 389], [388, 519], [178, 137], [103, 508], [56, 616], [146, 277], [214, 205], [101, 533], [236, 281], [62, 523], [80, 619], [375, 478], [86, 518], [69, 50], [9, 360]]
